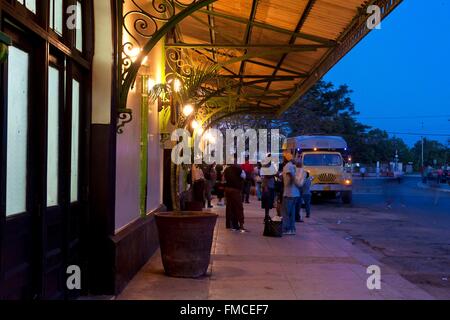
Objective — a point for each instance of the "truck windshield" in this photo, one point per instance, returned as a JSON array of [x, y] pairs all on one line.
[[322, 160]]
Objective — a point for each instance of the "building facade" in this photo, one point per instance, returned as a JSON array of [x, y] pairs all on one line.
[[84, 166], [70, 185]]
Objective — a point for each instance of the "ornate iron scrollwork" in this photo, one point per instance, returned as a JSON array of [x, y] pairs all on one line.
[[142, 25], [125, 116]]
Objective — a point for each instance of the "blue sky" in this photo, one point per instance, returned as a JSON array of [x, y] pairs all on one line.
[[400, 74]]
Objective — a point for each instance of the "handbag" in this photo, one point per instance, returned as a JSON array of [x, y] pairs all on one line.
[[273, 229]]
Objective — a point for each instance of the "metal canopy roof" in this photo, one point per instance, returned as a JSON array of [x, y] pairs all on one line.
[[272, 51]]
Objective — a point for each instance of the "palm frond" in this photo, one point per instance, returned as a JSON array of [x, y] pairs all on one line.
[[158, 90]]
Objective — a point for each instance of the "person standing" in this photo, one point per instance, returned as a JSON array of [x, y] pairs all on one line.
[[291, 194], [220, 187], [299, 181], [248, 182], [268, 190], [363, 172], [306, 194], [258, 180], [210, 180], [233, 196], [198, 184]]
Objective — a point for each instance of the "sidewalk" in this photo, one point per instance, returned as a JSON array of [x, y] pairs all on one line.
[[315, 264]]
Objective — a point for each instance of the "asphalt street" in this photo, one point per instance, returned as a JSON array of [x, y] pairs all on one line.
[[406, 227]]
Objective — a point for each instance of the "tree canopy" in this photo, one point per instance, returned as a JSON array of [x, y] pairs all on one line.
[[329, 110]]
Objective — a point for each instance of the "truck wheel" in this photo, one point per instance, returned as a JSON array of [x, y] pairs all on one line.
[[347, 197]]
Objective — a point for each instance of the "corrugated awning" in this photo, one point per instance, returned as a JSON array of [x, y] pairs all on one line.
[[273, 51]]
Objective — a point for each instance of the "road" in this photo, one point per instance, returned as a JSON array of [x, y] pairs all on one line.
[[406, 227]]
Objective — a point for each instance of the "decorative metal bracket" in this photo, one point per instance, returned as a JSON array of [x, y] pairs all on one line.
[[142, 26], [5, 42]]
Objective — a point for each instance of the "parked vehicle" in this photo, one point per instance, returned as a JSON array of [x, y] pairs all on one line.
[[323, 158]]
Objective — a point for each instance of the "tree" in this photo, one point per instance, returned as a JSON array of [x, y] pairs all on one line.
[[378, 146], [327, 110], [433, 151]]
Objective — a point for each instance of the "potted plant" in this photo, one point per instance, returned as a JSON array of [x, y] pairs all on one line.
[[186, 241], [185, 237]]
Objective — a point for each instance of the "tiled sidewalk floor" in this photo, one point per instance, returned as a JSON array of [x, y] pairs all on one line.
[[315, 264]]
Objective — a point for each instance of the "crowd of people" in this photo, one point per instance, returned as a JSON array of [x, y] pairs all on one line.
[[286, 189], [441, 174]]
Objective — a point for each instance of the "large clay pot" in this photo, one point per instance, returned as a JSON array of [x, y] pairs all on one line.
[[194, 206], [186, 241]]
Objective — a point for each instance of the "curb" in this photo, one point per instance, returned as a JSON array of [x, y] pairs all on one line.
[[424, 186]]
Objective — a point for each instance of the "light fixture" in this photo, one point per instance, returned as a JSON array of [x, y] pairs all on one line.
[[188, 110], [348, 182], [134, 52], [150, 83], [177, 85], [195, 125], [315, 149]]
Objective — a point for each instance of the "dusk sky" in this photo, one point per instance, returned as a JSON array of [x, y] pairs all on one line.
[[400, 74]]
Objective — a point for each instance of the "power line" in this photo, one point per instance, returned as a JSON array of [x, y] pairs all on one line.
[[404, 117], [420, 134]]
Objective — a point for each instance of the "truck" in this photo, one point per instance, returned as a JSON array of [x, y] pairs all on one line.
[[326, 159]]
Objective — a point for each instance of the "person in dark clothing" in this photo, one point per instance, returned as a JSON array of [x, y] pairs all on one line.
[[233, 194], [258, 180], [306, 194], [300, 177], [248, 181], [198, 184], [268, 193], [209, 172], [220, 186]]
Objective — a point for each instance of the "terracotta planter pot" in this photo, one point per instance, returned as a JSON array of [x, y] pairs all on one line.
[[186, 241], [194, 206]]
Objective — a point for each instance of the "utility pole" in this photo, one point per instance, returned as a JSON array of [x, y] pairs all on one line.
[[422, 148]]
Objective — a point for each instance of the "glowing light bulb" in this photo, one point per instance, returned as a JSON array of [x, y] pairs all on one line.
[[177, 85], [135, 52], [195, 125], [150, 83], [188, 110]]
